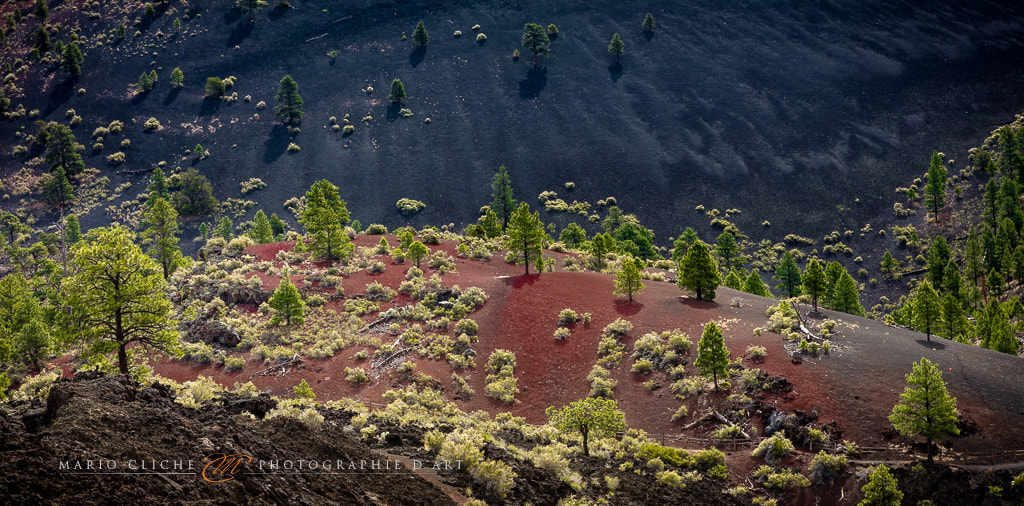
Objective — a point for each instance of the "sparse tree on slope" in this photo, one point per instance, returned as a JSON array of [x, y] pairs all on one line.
[[925, 408], [289, 103], [753, 284], [648, 24], [250, 7], [117, 297], [526, 236], [846, 295], [286, 301], [788, 275], [590, 417], [536, 40], [61, 151], [881, 489], [161, 234], [397, 94], [627, 280], [814, 281], [419, 35], [324, 217], [935, 188], [698, 272], [417, 252], [616, 47], [261, 231], [502, 202], [72, 60], [712, 355], [927, 309]]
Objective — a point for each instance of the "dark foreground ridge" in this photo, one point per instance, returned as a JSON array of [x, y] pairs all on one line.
[[108, 422]]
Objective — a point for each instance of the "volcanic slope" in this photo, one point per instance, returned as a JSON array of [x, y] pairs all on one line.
[[745, 100]]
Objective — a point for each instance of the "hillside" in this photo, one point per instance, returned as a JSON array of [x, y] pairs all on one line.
[[749, 105]]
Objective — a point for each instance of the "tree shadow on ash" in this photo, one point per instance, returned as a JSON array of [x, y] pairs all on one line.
[[60, 94], [648, 36], [139, 98], [276, 144], [522, 280], [615, 71], [172, 96], [239, 33], [277, 12], [697, 304], [392, 112], [536, 79], [627, 308], [209, 106], [417, 55], [935, 345], [232, 15]]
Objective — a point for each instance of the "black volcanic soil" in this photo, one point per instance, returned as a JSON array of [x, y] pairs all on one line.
[[747, 104]]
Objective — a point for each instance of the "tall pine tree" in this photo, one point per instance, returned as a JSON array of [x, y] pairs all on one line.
[[712, 355], [627, 280], [788, 276], [526, 236], [289, 103], [935, 188], [927, 309], [814, 281], [925, 408], [698, 272], [502, 202], [324, 218]]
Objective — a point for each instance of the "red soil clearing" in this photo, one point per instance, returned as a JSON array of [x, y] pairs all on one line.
[[855, 386]]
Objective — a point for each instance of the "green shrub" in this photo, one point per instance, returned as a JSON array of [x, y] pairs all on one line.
[[215, 88], [409, 207], [773, 448], [780, 479], [562, 333], [824, 467], [151, 124], [567, 317], [356, 375], [376, 229], [618, 328], [293, 148], [481, 38], [601, 383], [501, 383], [304, 391], [680, 413]]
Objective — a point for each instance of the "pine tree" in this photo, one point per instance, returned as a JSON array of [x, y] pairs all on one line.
[[251, 7], [324, 218], [261, 231], [1011, 159], [927, 309], [833, 271], [935, 188], [58, 191], [72, 230], [177, 77], [953, 322], [925, 408], [144, 84], [502, 202], [698, 272], [881, 489], [416, 252], [419, 35], [526, 235], [289, 103], [952, 281], [648, 24], [72, 60], [536, 40], [814, 281], [973, 252], [753, 284], [788, 275], [214, 87], [990, 202], [572, 235], [161, 234], [277, 225], [287, 302], [616, 47], [846, 296], [996, 285], [153, 77], [600, 246], [938, 257], [42, 12], [889, 264], [627, 280], [726, 248], [733, 280], [397, 94], [683, 243], [118, 297], [225, 229], [61, 151], [43, 39], [712, 355]]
